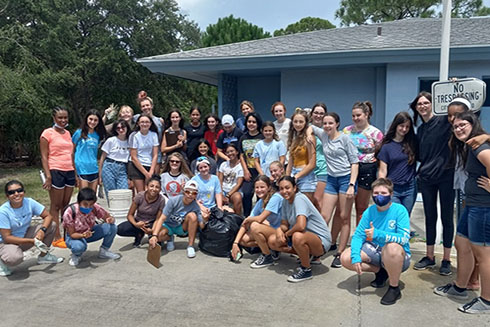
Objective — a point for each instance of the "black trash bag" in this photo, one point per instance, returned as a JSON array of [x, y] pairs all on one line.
[[218, 235]]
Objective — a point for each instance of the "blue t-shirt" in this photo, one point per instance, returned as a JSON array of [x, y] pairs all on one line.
[[19, 219], [267, 153], [86, 152], [399, 171], [390, 226], [208, 190], [175, 211], [240, 123], [273, 206], [315, 223]]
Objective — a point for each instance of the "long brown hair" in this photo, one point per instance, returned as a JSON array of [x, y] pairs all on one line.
[[184, 169], [270, 193], [409, 143], [297, 139]]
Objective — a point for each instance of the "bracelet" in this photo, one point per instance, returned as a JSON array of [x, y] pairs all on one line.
[[153, 236], [235, 243]]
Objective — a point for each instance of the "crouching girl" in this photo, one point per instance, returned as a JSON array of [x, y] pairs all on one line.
[[380, 242], [303, 230], [79, 222]]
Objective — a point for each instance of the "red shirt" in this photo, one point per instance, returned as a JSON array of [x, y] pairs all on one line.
[[212, 138]]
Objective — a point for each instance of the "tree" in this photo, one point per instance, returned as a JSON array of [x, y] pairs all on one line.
[[81, 54], [357, 12], [230, 30], [306, 24]]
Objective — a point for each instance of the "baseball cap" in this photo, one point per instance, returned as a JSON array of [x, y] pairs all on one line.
[[191, 186], [201, 160], [227, 120]]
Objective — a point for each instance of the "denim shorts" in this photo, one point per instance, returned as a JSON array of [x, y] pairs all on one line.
[[321, 178], [306, 183], [179, 230], [474, 225], [89, 177], [338, 185], [60, 178], [373, 251]]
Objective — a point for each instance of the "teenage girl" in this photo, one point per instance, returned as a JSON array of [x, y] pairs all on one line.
[[277, 171], [397, 156], [366, 138], [246, 146], [143, 148], [302, 154], [230, 176], [268, 150], [86, 142], [281, 123], [261, 224], [125, 113], [246, 107], [210, 194], [175, 174], [175, 137], [57, 160], [316, 117], [342, 167], [203, 149], [115, 157], [195, 131], [213, 131]]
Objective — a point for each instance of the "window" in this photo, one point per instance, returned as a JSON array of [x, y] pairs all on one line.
[[486, 79], [425, 84]]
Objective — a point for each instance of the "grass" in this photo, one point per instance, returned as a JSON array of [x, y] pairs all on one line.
[[29, 176]]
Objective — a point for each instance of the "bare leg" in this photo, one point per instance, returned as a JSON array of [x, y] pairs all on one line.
[[465, 261], [318, 195], [336, 224], [362, 202], [365, 265], [393, 256], [329, 203], [482, 254], [261, 233], [311, 197], [345, 216], [139, 185], [236, 200], [306, 244], [190, 226]]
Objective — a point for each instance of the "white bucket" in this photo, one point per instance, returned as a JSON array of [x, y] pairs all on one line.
[[120, 199]]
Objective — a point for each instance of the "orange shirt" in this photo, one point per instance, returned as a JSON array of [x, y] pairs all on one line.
[[300, 156], [60, 149]]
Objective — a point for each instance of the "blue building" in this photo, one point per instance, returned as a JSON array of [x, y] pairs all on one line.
[[386, 63]]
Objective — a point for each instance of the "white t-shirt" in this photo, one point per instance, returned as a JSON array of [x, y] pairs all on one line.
[[144, 145], [282, 130], [173, 185], [230, 175], [116, 149]]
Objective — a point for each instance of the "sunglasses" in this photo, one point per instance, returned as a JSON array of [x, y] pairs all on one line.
[[120, 127], [12, 192], [174, 161], [190, 192]]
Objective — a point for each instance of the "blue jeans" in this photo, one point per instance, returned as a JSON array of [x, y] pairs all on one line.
[[114, 176], [105, 231], [406, 194]]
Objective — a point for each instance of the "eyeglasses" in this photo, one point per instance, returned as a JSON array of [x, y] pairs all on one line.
[[420, 104], [460, 126], [190, 192], [12, 192], [174, 161]]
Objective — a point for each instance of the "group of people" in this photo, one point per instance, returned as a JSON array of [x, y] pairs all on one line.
[[305, 174]]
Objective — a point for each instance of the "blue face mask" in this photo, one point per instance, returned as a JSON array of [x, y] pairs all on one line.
[[85, 211], [381, 200]]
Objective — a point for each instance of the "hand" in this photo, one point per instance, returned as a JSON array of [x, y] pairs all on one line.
[[235, 249], [153, 242], [350, 192], [147, 229], [247, 176], [476, 141], [246, 222], [226, 200], [87, 234], [77, 181], [139, 224], [280, 237], [484, 183], [40, 235], [369, 232], [110, 220], [179, 144], [108, 111], [47, 184], [357, 267]]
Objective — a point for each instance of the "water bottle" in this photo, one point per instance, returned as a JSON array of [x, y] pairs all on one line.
[[42, 175]]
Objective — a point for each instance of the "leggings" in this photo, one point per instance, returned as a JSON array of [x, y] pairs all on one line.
[[248, 192], [446, 199], [127, 229]]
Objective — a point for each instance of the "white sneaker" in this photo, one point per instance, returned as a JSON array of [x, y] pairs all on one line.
[[74, 260], [170, 244], [106, 254], [4, 269], [49, 259], [191, 253]]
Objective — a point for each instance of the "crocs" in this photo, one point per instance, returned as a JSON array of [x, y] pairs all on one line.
[[59, 243]]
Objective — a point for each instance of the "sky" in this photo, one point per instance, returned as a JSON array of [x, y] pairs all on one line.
[[268, 14]]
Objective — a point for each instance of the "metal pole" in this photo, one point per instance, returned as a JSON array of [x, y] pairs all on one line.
[[445, 39]]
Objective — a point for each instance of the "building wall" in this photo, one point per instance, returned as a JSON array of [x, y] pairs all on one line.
[[263, 91]]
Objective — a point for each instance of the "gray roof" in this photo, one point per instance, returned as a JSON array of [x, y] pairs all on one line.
[[401, 34]]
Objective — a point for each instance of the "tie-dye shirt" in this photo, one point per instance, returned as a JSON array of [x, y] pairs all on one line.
[[365, 141]]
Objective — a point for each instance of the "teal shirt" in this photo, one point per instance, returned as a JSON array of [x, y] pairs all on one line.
[[86, 152], [321, 164]]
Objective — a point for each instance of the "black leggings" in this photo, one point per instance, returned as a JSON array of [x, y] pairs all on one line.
[[248, 192], [127, 229], [446, 200]]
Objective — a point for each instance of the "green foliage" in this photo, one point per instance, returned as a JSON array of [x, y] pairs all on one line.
[[230, 30], [81, 54], [357, 12], [306, 24]]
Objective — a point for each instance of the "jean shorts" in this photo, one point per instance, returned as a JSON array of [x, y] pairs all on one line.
[[60, 178], [321, 178], [306, 183], [179, 230], [474, 225], [89, 177], [338, 185], [373, 251]]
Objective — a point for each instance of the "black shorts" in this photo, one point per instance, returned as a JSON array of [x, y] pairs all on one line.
[[61, 179], [89, 177], [367, 175], [134, 173]]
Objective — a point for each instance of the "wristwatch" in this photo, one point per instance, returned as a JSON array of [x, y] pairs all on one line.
[[350, 184], [44, 229]]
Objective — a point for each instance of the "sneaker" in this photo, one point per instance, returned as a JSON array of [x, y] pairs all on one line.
[[424, 263], [333, 247], [449, 291], [191, 253], [301, 275], [392, 295], [59, 243], [336, 261], [475, 306], [170, 244], [445, 269], [4, 269], [137, 241], [275, 255], [49, 259], [314, 260], [74, 260], [262, 261], [106, 254], [381, 278]]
